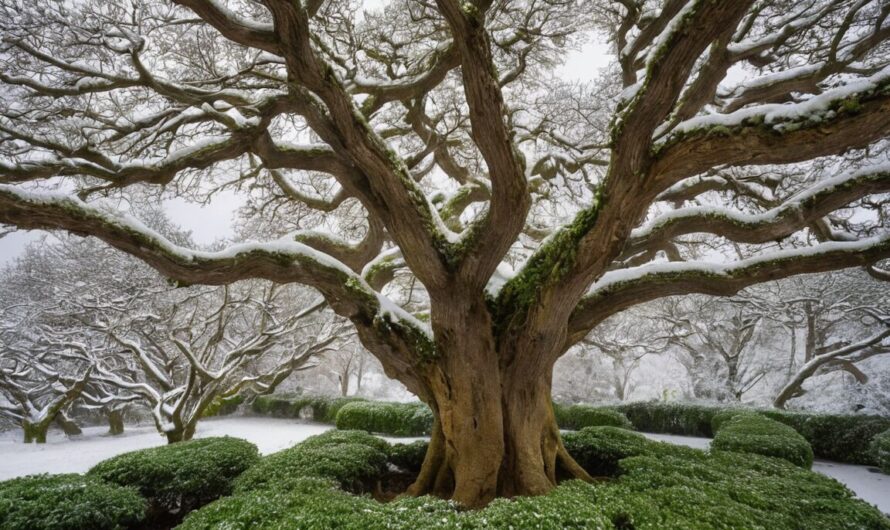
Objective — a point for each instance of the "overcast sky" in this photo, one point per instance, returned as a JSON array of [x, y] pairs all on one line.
[[214, 221]]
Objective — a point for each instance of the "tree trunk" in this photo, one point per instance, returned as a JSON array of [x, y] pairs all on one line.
[[67, 425], [35, 432], [115, 422]]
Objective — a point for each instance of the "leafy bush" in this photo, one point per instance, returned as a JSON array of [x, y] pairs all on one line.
[[725, 415], [842, 438], [834, 436], [408, 456], [180, 477], [579, 416], [63, 502], [599, 449], [880, 447], [318, 408], [670, 418], [752, 433], [397, 419], [353, 459], [688, 489]]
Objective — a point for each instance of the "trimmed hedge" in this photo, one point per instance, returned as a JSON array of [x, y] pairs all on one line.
[[842, 438], [752, 433], [880, 447], [408, 456], [318, 408], [397, 419], [180, 477], [661, 487], [576, 417], [67, 502], [223, 406], [353, 459]]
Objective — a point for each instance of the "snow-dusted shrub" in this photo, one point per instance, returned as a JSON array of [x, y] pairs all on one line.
[[687, 489], [180, 477], [318, 408], [67, 502], [408, 456], [725, 415], [838, 437], [880, 447], [398, 419], [352, 459], [750, 432], [599, 449], [579, 416], [688, 419]]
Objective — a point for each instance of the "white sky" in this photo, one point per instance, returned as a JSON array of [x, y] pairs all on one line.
[[214, 221]]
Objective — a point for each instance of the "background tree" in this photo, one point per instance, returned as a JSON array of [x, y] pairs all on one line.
[[526, 211]]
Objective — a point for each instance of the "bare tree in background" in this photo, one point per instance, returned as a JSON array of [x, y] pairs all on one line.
[[443, 130]]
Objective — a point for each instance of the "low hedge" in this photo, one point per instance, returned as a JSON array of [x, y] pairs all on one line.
[[576, 417], [67, 502], [180, 477], [397, 419], [353, 459], [317, 408], [408, 456], [661, 487], [599, 449], [880, 447], [752, 433], [223, 406], [842, 438]]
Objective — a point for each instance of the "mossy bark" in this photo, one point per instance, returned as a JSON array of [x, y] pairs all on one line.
[[35, 432], [495, 432], [69, 427], [115, 422]]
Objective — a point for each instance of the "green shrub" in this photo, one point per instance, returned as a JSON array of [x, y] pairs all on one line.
[[579, 416], [880, 447], [180, 477], [353, 459], [671, 418], [842, 438], [317, 408], [408, 456], [397, 419], [599, 449], [724, 415], [752, 433], [683, 490], [67, 502], [837, 437]]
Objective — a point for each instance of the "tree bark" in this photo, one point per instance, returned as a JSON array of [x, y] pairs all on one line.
[[69, 427], [115, 422], [35, 432]]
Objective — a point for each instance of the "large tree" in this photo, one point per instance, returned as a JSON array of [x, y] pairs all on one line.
[[444, 126]]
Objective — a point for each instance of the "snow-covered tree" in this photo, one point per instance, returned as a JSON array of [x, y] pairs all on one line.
[[525, 209]]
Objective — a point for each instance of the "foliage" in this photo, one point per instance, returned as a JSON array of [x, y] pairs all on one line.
[[408, 456], [841, 438], [752, 433], [180, 477], [398, 419], [599, 449], [351, 458], [880, 447], [223, 406], [67, 502], [576, 417], [662, 486], [318, 408]]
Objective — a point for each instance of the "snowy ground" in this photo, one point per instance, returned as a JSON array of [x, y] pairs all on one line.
[[61, 455]]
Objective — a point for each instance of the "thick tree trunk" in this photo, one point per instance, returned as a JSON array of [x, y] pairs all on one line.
[[115, 422], [495, 434]]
